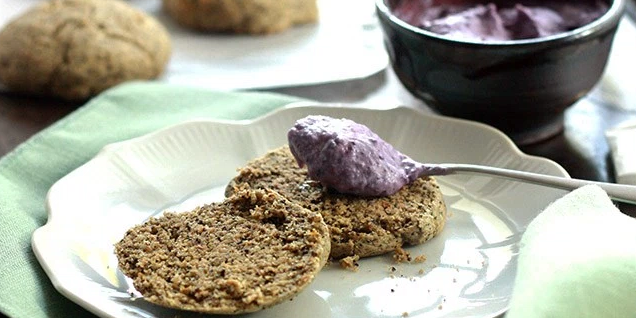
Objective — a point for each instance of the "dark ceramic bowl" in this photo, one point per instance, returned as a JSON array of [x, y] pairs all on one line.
[[521, 87]]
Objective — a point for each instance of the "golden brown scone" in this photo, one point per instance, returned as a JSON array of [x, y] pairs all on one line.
[[74, 49], [242, 16], [359, 226], [252, 251]]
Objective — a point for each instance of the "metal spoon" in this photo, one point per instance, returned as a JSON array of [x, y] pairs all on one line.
[[618, 192]]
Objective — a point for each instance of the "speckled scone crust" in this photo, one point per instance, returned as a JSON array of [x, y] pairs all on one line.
[[242, 16], [252, 251], [358, 226], [75, 49]]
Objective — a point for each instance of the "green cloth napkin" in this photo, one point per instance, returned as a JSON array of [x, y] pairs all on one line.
[[124, 112], [577, 259]]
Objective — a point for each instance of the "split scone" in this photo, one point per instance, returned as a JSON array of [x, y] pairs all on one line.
[[252, 251], [242, 16], [362, 226]]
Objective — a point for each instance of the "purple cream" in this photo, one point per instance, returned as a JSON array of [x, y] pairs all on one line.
[[350, 158], [498, 20]]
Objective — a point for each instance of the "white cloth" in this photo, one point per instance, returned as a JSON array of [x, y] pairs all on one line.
[[577, 259], [622, 142]]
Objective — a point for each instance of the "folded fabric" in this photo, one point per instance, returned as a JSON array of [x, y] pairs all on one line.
[[621, 140], [577, 259], [124, 112]]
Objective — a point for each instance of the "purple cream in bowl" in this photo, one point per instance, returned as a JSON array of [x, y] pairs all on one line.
[[499, 21]]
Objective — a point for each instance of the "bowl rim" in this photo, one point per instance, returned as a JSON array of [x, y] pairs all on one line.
[[605, 22]]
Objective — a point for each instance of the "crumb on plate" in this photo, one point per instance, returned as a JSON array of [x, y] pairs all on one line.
[[401, 256], [350, 263]]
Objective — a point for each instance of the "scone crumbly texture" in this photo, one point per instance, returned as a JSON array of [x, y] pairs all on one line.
[[242, 16], [401, 256], [350, 263], [362, 226], [252, 251], [75, 49]]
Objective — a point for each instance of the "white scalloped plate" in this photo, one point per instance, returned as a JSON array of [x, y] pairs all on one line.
[[469, 269]]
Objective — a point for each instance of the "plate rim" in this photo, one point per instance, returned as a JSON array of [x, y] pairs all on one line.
[[319, 105]]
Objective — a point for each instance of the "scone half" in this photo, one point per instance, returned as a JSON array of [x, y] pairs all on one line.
[[362, 226], [252, 251]]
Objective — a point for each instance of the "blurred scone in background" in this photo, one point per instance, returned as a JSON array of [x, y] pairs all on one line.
[[242, 16]]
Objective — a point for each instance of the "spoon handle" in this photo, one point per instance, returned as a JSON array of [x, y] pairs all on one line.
[[618, 192]]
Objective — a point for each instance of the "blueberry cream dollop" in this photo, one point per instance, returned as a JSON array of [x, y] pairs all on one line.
[[350, 158]]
